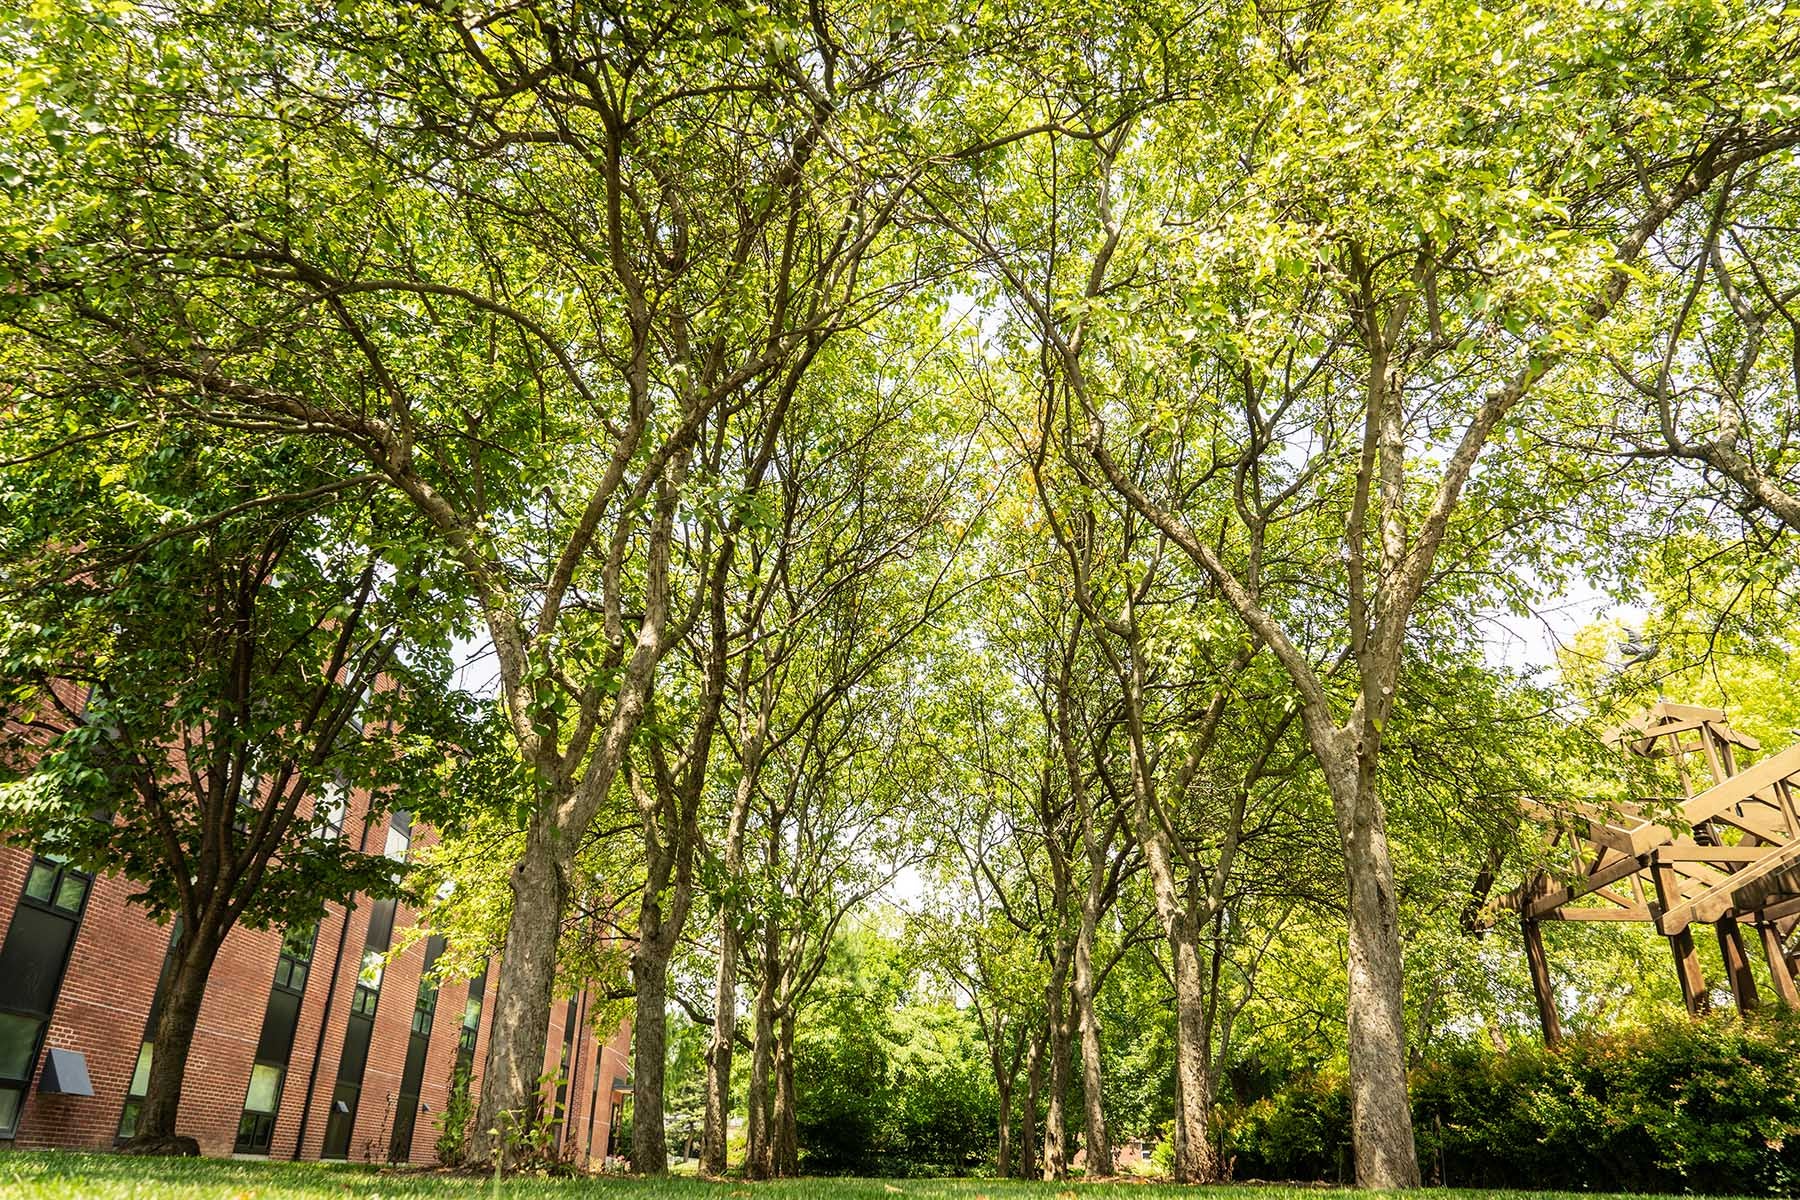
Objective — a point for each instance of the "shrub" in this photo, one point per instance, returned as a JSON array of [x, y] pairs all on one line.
[[1678, 1106], [454, 1121]]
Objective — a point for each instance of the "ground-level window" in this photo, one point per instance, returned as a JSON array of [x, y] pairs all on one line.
[[134, 1095], [33, 959], [257, 1125]]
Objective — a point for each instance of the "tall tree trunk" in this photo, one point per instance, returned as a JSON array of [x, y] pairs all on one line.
[[786, 1120], [649, 1139], [520, 1028], [1196, 1161], [719, 1051], [1056, 1137], [1380, 1110], [760, 1162], [192, 963], [1028, 1126], [1003, 1152], [1081, 989]]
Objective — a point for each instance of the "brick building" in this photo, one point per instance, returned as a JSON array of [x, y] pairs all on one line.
[[305, 1047]]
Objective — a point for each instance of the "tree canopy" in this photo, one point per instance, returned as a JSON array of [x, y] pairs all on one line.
[[991, 530]]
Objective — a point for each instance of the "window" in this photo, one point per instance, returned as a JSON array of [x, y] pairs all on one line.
[[134, 1095], [18, 1052], [257, 1126], [368, 983], [32, 961], [296, 958], [18, 1035], [471, 1019], [55, 884], [359, 1026], [330, 810], [406, 1111], [425, 1006], [140, 1078]]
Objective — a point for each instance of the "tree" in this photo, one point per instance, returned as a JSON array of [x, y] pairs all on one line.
[[523, 269], [216, 648], [1356, 315]]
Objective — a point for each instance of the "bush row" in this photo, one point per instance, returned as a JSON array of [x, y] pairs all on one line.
[[1684, 1106]]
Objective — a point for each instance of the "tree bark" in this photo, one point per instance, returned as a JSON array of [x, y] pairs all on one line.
[[520, 1029], [1034, 1086], [714, 1132], [721, 1049], [1195, 1160], [786, 1121], [760, 1161], [1003, 1151], [649, 1140], [1056, 1136], [1380, 1111], [192, 964], [1099, 1145]]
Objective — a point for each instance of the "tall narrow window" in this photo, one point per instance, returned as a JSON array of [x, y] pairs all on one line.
[[275, 1046], [140, 1077], [346, 1096], [471, 1021], [406, 1109], [330, 809], [32, 962], [561, 1110]]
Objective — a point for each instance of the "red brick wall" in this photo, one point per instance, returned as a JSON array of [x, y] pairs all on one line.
[[111, 979]]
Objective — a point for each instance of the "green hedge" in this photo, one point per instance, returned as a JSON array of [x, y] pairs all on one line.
[[1710, 1106]]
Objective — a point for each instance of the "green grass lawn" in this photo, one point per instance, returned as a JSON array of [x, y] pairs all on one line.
[[36, 1175]]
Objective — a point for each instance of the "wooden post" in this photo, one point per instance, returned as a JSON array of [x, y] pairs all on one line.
[[1681, 945], [1785, 991], [1540, 981], [1687, 971], [1737, 964]]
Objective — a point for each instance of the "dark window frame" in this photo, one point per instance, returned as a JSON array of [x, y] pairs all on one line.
[[62, 870]]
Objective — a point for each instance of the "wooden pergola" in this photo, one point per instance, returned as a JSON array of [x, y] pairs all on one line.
[[1726, 852]]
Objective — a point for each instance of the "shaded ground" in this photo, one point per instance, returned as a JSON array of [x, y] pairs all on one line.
[[38, 1175]]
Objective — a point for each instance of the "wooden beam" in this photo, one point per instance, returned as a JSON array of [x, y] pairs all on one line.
[[1716, 855], [1556, 897], [1737, 964], [1540, 982], [1779, 909], [1636, 912], [1681, 941], [1687, 973], [1785, 991], [1721, 796]]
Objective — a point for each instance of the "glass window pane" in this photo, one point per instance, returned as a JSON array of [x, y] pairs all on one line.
[[397, 844], [330, 808], [370, 975], [265, 1088], [18, 1038], [41, 883], [128, 1119], [297, 942], [9, 1109], [140, 1078], [68, 896]]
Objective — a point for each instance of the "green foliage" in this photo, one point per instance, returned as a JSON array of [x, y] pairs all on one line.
[[1673, 1106], [453, 1123], [889, 1082]]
